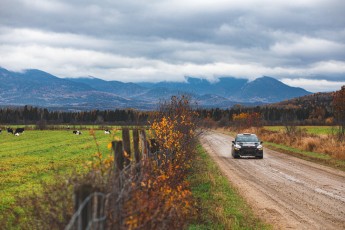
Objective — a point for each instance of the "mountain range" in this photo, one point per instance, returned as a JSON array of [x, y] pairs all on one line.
[[38, 88]]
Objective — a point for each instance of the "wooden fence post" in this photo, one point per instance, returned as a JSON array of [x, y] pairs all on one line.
[[97, 211], [126, 144], [119, 161], [136, 145], [144, 144], [80, 194], [118, 155]]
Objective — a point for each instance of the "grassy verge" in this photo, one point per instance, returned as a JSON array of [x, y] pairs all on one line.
[[220, 205], [310, 156]]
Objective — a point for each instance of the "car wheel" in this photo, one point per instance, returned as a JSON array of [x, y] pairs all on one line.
[[236, 156], [260, 157]]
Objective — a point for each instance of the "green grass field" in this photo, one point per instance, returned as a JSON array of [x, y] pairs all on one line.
[[38, 155], [317, 130]]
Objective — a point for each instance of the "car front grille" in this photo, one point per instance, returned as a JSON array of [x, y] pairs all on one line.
[[248, 151]]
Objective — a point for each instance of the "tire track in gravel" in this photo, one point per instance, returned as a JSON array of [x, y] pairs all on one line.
[[285, 191]]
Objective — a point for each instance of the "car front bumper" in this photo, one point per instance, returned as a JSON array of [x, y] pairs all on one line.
[[249, 152]]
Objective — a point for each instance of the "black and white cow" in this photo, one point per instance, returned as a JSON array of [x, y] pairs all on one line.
[[9, 130], [19, 131], [77, 132], [107, 131]]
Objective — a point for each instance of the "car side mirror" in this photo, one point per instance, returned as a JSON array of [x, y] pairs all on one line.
[[233, 142], [261, 142]]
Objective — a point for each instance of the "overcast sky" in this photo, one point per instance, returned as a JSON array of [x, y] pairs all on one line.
[[301, 42]]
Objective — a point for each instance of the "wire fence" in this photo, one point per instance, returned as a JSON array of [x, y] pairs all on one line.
[[97, 210], [90, 214]]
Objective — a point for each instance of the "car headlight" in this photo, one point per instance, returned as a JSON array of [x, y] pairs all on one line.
[[259, 147], [237, 147]]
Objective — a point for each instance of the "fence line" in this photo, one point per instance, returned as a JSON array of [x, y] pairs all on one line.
[[90, 208], [78, 222]]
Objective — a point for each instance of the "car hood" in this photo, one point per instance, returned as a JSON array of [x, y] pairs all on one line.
[[248, 144]]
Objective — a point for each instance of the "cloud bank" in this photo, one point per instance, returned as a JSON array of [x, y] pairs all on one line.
[[301, 42]]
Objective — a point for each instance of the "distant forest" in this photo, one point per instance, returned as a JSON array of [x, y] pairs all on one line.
[[273, 115], [32, 115], [277, 114]]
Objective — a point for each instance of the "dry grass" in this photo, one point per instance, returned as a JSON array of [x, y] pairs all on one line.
[[310, 143]]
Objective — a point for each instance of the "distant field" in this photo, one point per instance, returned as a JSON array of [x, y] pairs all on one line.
[[35, 155], [318, 130]]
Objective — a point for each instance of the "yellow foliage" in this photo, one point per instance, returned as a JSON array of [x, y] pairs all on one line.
[[241, 116], [164, 189]]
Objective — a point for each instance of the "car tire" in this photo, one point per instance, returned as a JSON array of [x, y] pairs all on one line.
[[260, 157]]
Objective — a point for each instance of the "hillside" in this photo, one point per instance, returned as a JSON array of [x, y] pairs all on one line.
[[268, 89], [313, 100], [38, 88]]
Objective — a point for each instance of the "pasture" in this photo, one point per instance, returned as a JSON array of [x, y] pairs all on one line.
[[27, 159], [317, 130]]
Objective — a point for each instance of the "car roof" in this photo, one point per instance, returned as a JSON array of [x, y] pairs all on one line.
[[246, 137]]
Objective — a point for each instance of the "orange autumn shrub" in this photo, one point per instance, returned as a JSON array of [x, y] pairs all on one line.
[[160, 197]]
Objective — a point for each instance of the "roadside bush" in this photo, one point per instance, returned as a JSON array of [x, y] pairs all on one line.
[[311, 143], [223, 122], [340, 152], [208, 123], [246, 120]]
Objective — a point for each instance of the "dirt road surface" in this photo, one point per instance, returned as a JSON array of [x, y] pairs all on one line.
[[285, 191]]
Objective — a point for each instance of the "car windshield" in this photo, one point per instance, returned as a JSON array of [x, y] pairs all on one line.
[[247, 138]]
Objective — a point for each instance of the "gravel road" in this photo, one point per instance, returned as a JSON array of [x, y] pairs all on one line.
[[285, 191]]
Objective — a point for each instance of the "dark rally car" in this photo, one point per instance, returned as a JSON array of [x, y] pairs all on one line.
[[247, 145]]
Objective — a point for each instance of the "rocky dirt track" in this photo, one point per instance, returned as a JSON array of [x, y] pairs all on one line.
[[285, 191]]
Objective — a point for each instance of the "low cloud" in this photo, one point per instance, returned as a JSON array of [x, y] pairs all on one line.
[[314, 85]]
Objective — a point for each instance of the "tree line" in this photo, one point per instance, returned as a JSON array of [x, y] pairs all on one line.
[[31, 115], [271, 115]]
